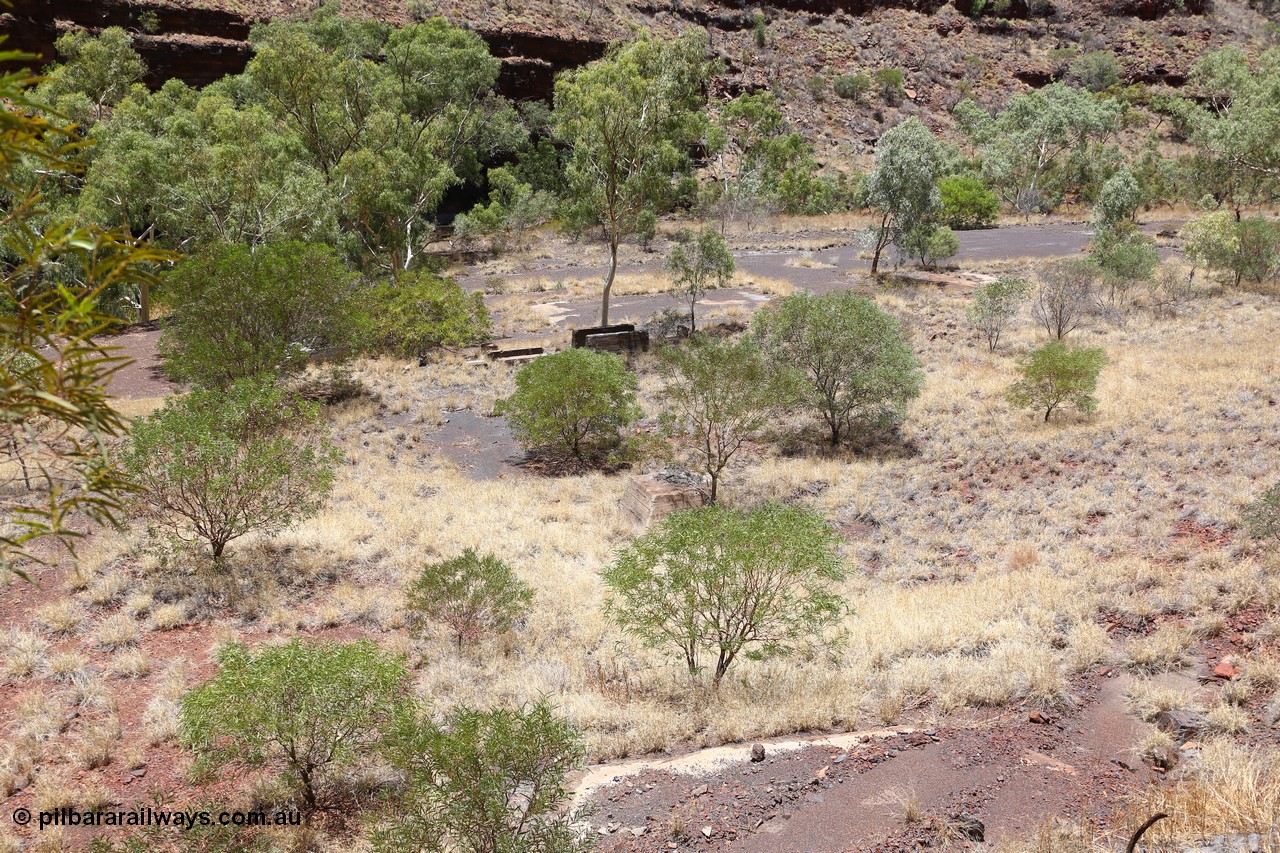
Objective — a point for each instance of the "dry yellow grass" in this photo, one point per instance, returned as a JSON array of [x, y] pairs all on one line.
[[991, 487], [1229, 789], [982, 554]]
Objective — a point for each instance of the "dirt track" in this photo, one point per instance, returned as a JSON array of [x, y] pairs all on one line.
[[853, 794]]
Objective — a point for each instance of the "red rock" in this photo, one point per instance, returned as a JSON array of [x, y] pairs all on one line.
[[1225, 670], [1037, 717]]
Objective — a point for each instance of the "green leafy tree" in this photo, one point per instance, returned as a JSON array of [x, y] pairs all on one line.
[[1057, 375], [858, 366], [573, 403], [392, 117], [514, 207], [56, 415], [193, 167], [95, 74], [1235, 125], [759, 163], [1245, 250], [699, 261], [472, 594], [1026, 147], [1118, 201], [1066, 295], [213, 466], [723, 582], [892, 85], [311, 710], [1259, 259], [420, 312], [852, 87], [629, 119], [484, 782], [930, 244], [1213, 241], [1097, 70], [1262, 516], [242, 312], [967, 203], [902, 186], [995, 305], [1124, 256], [718, 396]]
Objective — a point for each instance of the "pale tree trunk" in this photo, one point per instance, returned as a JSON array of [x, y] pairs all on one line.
[[608, 282], [882, 241]]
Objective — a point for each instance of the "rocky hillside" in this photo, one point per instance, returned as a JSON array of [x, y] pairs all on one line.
[[947, 48]]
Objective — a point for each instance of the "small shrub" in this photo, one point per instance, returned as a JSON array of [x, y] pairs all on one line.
[[1248, 250], [718, 395], [722, 582], [967, 203], [1118, 201], [995, 305], [990, 7], [1096, 71], [699, 261], [1065, 296], [213, 466], [852, 87], [149, 22], [930, 244], [572, 404], [859, 367], [892, 85], [1124, 256], [241, 312], [669, 324], [484, 781], [306, 708], [471, 594], [1262, 516], [760, 28], [1057, 375], [421, 312]]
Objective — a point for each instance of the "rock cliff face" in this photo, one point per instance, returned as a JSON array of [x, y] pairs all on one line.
[[199, 45], [201, 40], [946, 51]]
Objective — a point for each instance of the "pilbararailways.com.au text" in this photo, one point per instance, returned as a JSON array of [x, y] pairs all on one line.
[[147, 816]]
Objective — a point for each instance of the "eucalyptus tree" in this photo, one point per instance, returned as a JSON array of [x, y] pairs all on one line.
[[1024, 148], [393, 118], [95, 74], [1235, 125], [759, 161], [341, 130], [631, 120], [902, 186]]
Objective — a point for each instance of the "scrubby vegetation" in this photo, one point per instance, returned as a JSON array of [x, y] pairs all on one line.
[[369, 575]]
